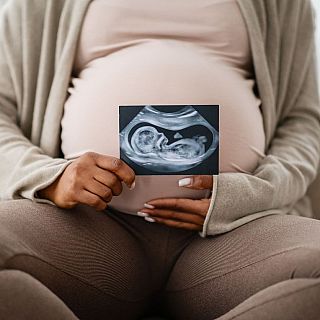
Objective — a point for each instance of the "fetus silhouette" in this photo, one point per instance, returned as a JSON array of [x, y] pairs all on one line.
[[147, 139]]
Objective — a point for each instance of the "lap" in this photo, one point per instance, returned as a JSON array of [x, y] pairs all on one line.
[[217, 273], [95, 261]]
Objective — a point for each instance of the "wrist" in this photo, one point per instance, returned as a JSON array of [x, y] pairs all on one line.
[[49, 191], [45, 193]]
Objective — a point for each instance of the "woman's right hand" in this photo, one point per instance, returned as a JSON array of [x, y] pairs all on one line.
[[92, 179]]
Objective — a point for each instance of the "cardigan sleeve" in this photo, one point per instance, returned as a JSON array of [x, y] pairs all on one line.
[[24, 168], [291, 162]]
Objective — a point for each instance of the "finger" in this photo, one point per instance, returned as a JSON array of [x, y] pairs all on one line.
[[92, 200], [99, 189], [108, 179], [200, 182], [175, 215], [178, 224], [115, 165], [199, 207]]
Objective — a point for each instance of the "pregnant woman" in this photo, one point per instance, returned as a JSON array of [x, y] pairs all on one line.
[[82, 236]]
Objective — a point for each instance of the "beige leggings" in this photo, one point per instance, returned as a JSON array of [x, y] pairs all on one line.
[[91, 265]]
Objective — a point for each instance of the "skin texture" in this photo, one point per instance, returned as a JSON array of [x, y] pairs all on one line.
[[92, 179], [181, 213]]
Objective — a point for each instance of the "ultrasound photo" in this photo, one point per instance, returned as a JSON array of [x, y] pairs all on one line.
[[170, 139]]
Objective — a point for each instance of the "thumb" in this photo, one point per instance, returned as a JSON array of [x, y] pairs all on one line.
[[197, 182]]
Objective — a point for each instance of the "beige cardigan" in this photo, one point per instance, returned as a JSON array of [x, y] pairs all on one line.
[[38, 40]]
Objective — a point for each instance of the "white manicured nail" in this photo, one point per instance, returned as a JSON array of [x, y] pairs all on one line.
[[149, 219], [184, 182], [142, 214], [149, 206], [133, 185]]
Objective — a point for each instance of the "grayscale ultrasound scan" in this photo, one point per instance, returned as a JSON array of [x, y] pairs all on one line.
[[170, 139]]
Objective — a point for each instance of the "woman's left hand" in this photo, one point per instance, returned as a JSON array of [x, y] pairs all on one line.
[[181, 213]]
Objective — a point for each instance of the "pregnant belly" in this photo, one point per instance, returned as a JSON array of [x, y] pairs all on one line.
[[161, 72]]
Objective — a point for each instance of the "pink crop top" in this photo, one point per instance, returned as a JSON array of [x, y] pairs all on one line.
[[146, 52]]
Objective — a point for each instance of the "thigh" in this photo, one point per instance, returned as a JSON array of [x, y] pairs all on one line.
[[85, 257], [215, 274]]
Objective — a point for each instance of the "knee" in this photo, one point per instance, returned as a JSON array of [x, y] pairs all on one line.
[[11, 245], [22, 296], [16, 219]]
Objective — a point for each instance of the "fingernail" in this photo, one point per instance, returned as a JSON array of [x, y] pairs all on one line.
[[149, 219], [149, 206], [142, 214], [184, 182], [133, 185]]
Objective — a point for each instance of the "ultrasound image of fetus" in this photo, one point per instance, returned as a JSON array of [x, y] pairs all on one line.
[[168, 142], [147, 140]]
